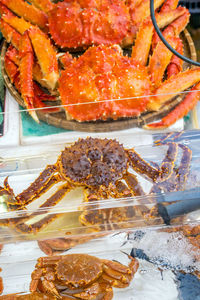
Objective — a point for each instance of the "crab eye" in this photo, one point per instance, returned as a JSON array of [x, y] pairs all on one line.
[[94, 154]]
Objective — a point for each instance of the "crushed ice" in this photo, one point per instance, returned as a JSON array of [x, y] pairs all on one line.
[[171, 250]]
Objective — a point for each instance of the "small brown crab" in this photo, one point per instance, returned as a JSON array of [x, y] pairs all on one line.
[[81, 276], [104, 168]]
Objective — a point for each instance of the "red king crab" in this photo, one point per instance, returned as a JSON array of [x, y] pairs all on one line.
[[102, 83], [104, 169], [81, 276], [79, 24]]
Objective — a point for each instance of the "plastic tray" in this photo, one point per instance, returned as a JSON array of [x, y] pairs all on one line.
[[22, 166], [168, 263]]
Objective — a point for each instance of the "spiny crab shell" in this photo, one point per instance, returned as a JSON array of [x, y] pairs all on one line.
[[103, 73], [94, 162], [78, 270], [78, 23]]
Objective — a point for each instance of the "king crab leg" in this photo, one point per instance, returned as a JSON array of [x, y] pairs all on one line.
[[177, 180], [141, 12], [44, 5], [47, 59], [12, 55], [11, 35], [50, 202], [145, 169], [29, 12], [33, 191], [26, 71], [180, 111], [182, 82], [145, 34], [172, 135], [176, 64], [38, 96], [134, 184], [162, 56], [178, 25], [183, 170]]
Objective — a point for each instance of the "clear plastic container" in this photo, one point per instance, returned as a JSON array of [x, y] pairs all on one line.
[[156, 184], [123, 88], [168, 261]]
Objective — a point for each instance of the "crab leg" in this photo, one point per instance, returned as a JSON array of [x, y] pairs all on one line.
[[172, 87], [168, 5], [50, 202], [176, 64], [26, 71], [19, 24], [11, 59], [179, 176], [27, 11], [142, 167], [117, 274], [183, 170], [162, 55], [58, 245], [134, 184], [174, 28], [122, 190], [33, 191], [155, 174], [160, 60], [145, 34], [46, 55], [180, 111], [10, 34], [13, 55], [169, 160], [142, 11], [44, 5]]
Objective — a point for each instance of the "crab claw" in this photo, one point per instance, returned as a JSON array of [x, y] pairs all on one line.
[[26, 74], [180, 111]]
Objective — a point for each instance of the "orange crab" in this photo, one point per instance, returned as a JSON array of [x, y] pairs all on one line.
[[76, 23], [81, 276], [102, 83]]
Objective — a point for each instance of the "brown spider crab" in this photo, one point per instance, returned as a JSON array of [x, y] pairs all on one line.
[[81, 276], [103, 167]]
